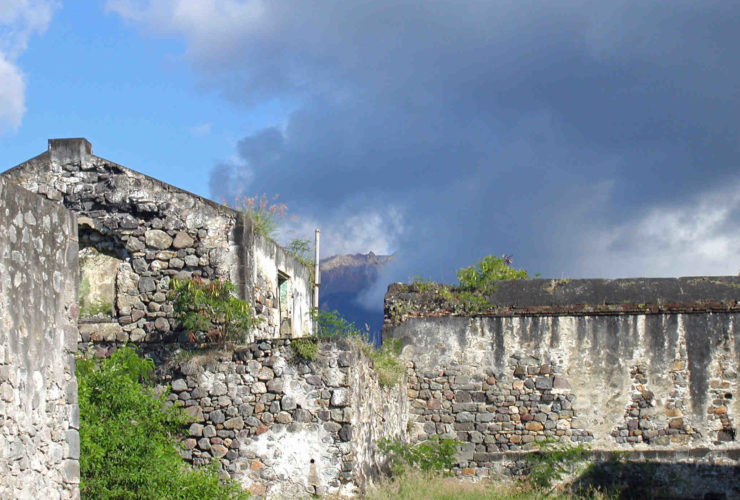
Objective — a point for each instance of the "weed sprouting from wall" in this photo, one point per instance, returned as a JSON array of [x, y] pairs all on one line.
[[211, 308], [331, 325], [264, 213]]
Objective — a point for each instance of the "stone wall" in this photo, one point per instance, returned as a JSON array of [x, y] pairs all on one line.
[[137, 233], [39, 417], [286, 427], [620, 365]]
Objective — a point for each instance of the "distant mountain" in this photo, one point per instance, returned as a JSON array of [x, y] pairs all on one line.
[[343, 279]]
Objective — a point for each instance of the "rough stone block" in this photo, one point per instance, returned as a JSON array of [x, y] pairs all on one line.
[[341, 397], [156, 238]]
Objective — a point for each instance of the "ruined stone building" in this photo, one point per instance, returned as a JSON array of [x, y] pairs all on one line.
[[136, 232], [645, 366], [276, 425]]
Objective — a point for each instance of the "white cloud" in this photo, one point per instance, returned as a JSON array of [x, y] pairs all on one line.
[[12, 90], [699, 237], [19, 20], [211, 27], [201, 130], [364, 230]]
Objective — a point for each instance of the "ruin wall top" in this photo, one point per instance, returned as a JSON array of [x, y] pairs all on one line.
[[565, 297]]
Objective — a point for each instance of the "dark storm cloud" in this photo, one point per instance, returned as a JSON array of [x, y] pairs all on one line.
[[552, 130]]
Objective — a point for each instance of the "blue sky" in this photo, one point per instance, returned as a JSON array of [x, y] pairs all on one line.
[[133, 96], [585, 138]]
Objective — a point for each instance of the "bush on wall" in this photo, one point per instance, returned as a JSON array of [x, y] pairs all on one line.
[[128, 437], [211, 307]]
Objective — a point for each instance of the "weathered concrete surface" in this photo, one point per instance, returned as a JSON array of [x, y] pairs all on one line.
[[39, 417], [285, 427], [638, 373], [157, 232], [539, 365]]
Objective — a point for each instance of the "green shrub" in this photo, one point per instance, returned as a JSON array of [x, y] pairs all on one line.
[[306, 348], [327, 324], [477, 282], [127, 437], [211, 307], [435, 454], [482, 276], [301, 250], [88, 307], [553, 461], [331, 324]]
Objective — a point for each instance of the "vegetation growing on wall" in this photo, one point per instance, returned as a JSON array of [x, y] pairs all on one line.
[[127, 437], [264, 213], [482, 276], [419, 471], [476, 283], [211, 309], [331, 325], [386, 362]]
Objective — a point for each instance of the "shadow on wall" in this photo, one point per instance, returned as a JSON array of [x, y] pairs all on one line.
[[661, 480]]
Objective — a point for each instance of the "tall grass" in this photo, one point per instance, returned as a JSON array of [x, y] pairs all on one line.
[[416, 485]]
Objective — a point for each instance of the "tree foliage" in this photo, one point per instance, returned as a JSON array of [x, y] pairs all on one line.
[[127, 437]]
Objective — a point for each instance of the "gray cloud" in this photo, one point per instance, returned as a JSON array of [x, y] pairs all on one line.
[[583, 138]]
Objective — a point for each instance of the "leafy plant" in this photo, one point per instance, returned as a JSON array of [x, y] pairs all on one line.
[[434, 454], [99, 306], [482, 276], [478, 281], [553, 461], [306, 348], [301, 250], [329, 324], [471, 302], [127, 444], [211, 307], [263, 212]]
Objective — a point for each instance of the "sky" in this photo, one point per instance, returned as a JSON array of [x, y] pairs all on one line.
[[586, 139]]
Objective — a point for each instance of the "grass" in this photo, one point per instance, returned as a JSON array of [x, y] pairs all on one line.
[[386, 361], [306, 348], [414, 485]]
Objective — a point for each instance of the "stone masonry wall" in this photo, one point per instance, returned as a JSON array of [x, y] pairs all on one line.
[[285, 427], [39, 417], [146, 232], [616, 378]]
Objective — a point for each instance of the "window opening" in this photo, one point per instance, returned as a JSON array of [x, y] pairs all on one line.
[[283, 292]]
